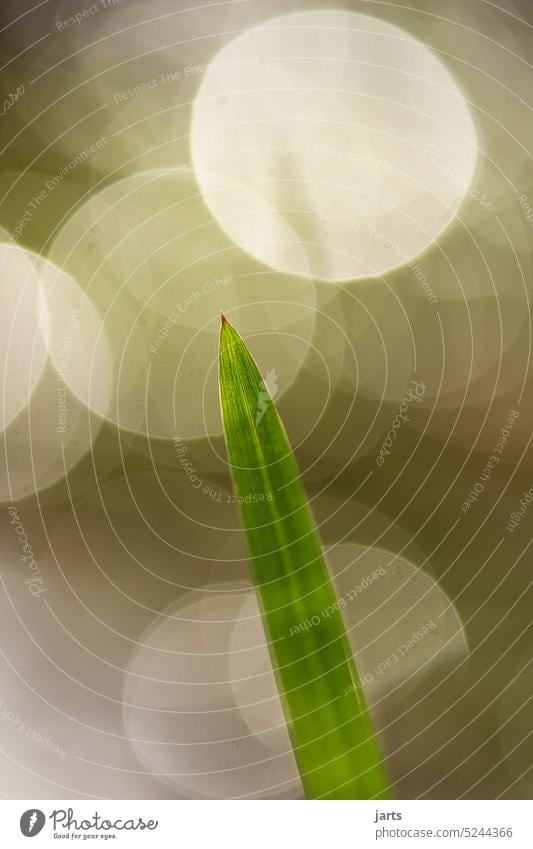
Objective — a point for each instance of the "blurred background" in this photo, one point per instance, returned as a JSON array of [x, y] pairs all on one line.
[[352, 183]]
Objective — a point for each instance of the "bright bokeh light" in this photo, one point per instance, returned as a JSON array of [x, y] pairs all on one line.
[[23, 329], [344, 125], [77, 341], [203, 673], [179, 691], [156, 270]]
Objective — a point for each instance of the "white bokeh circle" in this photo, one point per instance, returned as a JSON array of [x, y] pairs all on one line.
[[334, 125]]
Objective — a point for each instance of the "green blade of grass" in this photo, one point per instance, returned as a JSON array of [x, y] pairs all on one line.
[[334, 743]]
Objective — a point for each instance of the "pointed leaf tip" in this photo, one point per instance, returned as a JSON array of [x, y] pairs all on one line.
[[335, 745]]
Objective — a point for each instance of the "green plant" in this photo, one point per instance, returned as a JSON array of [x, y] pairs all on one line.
[[335, 745]]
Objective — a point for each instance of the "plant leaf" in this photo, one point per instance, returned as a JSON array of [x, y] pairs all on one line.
[[334, 743]]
